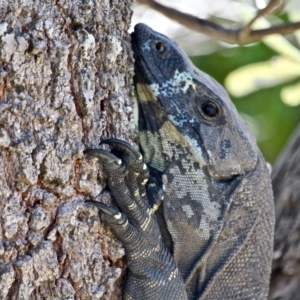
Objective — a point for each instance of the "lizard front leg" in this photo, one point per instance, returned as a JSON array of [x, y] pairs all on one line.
[[152, 271]]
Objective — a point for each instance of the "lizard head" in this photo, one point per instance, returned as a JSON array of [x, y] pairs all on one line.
[[180, 103]]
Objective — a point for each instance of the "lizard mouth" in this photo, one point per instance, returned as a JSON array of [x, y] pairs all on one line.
[[143, 74]]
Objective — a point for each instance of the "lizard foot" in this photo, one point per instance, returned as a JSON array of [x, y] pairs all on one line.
[[152, 270], [137, 171], [126, 178]]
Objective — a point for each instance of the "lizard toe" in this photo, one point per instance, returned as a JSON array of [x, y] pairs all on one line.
[[118, 221], [104, 155], [123, 146]]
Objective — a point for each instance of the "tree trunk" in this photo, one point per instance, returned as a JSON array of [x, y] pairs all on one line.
[[285, 281], [65, 83]]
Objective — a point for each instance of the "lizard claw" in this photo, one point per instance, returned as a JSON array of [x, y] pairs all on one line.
[[124, 147], [106, 209], [118, 221], [105, 156], [157, 201]]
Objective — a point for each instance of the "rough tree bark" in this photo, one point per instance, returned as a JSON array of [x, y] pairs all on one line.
[[285, 281], [65, 82]]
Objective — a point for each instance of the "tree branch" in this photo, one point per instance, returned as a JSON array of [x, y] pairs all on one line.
[[272, 5], [236, 36]]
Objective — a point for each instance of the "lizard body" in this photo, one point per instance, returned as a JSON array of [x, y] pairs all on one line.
[[212, 236]]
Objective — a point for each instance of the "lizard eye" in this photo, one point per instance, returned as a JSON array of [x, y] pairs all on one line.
[[209, 109], [160, 47]]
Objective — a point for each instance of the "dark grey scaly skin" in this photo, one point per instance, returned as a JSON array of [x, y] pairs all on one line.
[[212, 236]]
